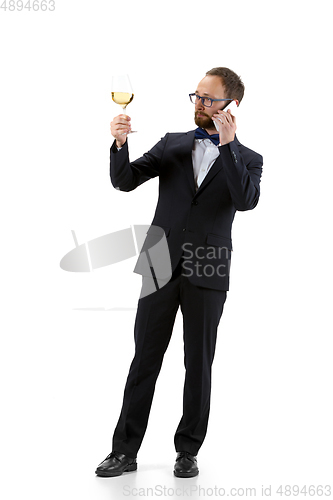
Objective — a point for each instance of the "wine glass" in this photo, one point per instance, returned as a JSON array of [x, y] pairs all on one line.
[[122, 92]]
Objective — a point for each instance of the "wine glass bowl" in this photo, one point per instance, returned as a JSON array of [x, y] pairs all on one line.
[[122, 92], [122, 98]]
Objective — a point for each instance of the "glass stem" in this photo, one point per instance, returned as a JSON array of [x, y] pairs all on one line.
[[124, 112]]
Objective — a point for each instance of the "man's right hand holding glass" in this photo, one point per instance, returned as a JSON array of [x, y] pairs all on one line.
[[120, 127]]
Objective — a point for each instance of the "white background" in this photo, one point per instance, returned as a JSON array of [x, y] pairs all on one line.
[[63, 369]]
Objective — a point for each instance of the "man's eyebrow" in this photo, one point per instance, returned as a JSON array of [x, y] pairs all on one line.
[[205, 93]]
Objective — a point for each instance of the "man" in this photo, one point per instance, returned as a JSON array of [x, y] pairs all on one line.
[[204, 177]]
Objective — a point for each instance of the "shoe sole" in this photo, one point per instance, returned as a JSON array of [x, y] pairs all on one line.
[[130, 468], [186, 474]]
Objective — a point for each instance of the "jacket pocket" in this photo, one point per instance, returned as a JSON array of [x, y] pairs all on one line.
[[218, 241]]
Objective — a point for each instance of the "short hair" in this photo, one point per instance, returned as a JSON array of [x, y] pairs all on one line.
[[232, 83]]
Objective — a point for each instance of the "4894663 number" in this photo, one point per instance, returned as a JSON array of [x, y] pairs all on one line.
[[34, 5], [312, 490]]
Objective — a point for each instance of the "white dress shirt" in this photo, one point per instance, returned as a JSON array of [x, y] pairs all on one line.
[[204, 154]]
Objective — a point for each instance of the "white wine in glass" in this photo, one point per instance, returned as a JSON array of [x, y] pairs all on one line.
[[122, 92]]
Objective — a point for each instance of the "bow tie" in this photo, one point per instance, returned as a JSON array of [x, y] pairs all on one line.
[[200, 133]]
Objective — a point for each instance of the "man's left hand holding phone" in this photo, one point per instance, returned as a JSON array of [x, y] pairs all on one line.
[[225, 123]]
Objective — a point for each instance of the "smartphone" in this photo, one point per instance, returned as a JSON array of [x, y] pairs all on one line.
[[233, 108]]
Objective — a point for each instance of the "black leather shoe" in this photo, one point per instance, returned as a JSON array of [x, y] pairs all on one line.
[[115, 464], [186, 465]]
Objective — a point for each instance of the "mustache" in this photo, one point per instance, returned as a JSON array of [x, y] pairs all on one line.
[[201, 113]]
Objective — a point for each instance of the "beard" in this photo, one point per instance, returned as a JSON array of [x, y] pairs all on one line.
[[203, 121]]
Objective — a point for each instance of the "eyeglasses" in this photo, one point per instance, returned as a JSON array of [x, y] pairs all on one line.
[[206, 101]]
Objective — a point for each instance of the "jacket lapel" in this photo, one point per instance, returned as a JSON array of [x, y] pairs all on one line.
[[186, 146], [215, 168]]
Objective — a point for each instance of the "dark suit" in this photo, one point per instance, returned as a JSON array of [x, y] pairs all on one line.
[[197, 225]]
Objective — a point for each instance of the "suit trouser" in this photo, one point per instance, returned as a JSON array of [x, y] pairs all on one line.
[[202, 309]]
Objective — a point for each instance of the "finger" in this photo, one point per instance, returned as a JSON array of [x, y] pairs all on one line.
[[233, 119], [118, 117], [121, 121], [124, 117], [219, 118], [226, 115], [121, 126], [120, 130]]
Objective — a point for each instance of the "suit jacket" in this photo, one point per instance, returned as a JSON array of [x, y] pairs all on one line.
[[197, 224]]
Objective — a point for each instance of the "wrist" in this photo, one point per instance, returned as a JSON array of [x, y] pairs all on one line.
[[120, 144]]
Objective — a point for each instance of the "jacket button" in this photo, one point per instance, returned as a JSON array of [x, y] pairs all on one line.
[[194, 202], [184, 229]]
